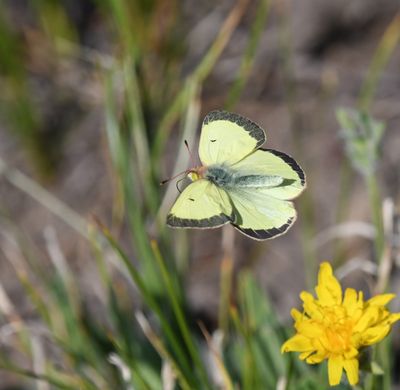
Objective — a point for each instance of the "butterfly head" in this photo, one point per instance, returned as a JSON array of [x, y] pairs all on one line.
[[193, 174], [196, 173]]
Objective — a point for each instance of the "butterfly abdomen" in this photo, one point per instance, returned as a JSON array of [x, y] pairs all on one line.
[[257, 181], [225, 177]]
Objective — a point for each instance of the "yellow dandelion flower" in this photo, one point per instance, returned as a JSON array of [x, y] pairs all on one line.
[[335, 327]]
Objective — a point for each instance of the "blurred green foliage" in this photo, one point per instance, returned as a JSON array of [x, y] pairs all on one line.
[[362, 135], [143, 335]]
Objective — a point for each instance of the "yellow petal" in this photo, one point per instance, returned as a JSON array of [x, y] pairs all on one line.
[[369, 318], [393, 318], [297, 343], [351, 303], [325, 296], [375, 334], [350, 297], [304, 355], [325, 343], [309, 329], [317, 345], [317, 357], [335, 369], [310, 306], [296, 315], [381, 300], [352, 353], [356, 340], [351, 368], [328, 290], [361, 296]]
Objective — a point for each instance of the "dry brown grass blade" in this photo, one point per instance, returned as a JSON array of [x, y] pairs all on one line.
[[386, 263], [219, 372]]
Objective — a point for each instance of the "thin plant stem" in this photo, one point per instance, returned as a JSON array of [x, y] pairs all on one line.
[[345, 182], [139, 137], [249, 367], [189, 128], [226, 279], [381, 351], [44, 197], [198, 75], [381, 57], [125, 168], [386, 264], [305, 203], [384, 349], [177, 308], [160, 347], [151, 302], [376, 208], [249, 55]]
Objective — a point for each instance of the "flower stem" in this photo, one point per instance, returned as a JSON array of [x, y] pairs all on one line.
[[375, 203]]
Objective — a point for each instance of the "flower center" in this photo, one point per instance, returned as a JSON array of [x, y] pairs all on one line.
[[338, 330]]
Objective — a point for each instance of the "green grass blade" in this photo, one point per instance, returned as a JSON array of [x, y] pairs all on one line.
[[120, 152], [161, 349], [153, 305], [177, 309], [381, 57], [139, 137], [198, 75], [44, 197], [249, 54]]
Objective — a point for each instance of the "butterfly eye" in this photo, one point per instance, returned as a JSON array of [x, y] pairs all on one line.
[[212, 140], [177, 185], [191, 199]]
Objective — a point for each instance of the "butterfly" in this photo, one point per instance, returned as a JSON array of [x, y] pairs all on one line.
[[238, 182]]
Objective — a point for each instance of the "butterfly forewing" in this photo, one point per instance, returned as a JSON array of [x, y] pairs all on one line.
[[201, 205], [226, 138]]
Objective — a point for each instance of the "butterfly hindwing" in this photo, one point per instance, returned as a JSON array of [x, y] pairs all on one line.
[[226, 138], [260, 216], [272, 162], [201, 205]]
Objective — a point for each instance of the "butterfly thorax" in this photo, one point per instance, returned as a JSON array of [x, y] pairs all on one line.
[[217, 174], [220, 175]]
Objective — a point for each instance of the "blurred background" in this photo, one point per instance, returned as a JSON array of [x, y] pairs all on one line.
[[72, 72]]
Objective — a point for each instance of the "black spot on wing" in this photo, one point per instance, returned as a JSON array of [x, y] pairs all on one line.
[[214, 221], [290, 161], [266, 234], [252, 128]]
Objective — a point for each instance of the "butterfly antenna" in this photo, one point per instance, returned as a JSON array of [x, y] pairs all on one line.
[[190, 153], [181, 173], [173, 177]]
